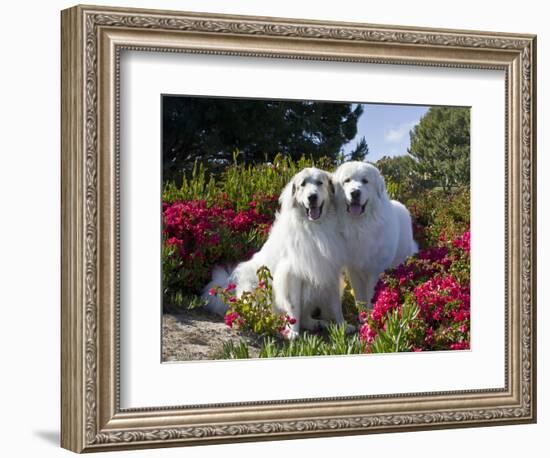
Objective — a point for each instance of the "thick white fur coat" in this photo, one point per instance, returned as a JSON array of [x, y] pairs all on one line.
[[304, 256], [377, 231]]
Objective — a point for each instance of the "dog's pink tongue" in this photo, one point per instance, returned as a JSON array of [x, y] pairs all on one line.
[[355, 209], [315, 213]]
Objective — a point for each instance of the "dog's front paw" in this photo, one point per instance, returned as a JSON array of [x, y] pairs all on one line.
[[350, 329]]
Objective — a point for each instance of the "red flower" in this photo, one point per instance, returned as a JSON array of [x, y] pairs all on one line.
[[232, 318], [463, 242], [437, 280], [386, 299], [367, 333], [230, 287], [460, 346]]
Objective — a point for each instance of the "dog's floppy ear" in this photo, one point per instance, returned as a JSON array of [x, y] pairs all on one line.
[[335, 180], [286, 199], [381, 186]]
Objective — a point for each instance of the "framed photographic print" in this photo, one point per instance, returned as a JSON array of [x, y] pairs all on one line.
[[277, 228]]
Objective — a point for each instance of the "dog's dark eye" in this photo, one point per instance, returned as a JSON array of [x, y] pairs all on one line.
[[319, 183], [347, 180], [303, 184], [365, 181]]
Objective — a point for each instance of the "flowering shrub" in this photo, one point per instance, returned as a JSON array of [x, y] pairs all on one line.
[[197, 236], [432, 290], [437, 215], [253, 310]]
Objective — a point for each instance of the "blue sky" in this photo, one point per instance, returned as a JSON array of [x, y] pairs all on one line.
[[386, 129]]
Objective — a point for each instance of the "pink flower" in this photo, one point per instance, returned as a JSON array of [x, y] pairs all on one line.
[[464, 345], [463, 242], [429, 339], [230, 287], [261, 284], [212, 291], [173, 241], [442, 293], [232, 318], [366, 333], [386, 299]]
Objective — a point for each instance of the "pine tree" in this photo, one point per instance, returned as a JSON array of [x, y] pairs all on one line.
[[440, 143], [209, 130], [360, 151]]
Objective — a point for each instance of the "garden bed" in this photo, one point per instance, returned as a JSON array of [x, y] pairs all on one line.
[[423, 305]]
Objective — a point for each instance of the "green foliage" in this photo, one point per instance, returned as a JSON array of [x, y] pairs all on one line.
[[360, 151], [440, 143], [240, 183], [349, 306], [253, 310], [399, 327], [235, 351], [336, 342], [401, 177], [306, 345], [173, 277], [208, 130], [436, 211], [438, 214]]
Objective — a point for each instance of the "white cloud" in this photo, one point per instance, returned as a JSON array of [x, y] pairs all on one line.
[[397, 134]]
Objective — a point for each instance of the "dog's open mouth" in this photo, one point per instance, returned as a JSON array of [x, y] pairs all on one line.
[[356, 209], [314, 213]]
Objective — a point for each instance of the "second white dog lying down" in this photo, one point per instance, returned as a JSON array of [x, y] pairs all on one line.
[[377, 231], [304, 253]]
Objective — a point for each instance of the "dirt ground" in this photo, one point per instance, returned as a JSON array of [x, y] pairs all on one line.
[[196, 335]]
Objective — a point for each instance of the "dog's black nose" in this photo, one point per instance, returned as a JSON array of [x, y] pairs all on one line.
[[355, 194], [312, 198]]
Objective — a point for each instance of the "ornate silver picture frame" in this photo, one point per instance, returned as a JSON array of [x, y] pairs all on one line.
[[92, 41]]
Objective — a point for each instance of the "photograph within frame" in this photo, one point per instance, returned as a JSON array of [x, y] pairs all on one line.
[[225, 162]]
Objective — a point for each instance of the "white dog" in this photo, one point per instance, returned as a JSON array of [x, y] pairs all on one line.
[[377, 230], [304, 253]]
